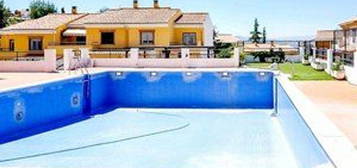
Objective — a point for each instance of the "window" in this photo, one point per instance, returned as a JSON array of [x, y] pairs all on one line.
[[12, 45], [107, 38], [147, 38], [35, 44], [354, 36], [81, 40], [189, 39]]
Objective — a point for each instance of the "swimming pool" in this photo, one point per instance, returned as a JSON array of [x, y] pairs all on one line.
[[147, 119]]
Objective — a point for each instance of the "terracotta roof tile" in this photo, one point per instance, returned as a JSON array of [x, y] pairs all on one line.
[[327, 35], [192, 18], [49, 22], [132, 16]]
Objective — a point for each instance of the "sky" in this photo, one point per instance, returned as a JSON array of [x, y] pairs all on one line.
[[283, 19]]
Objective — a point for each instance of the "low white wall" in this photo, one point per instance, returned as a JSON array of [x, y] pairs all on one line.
[[166, 63], [134, 62], [46, 65]]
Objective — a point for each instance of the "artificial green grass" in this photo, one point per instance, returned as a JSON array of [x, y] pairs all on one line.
[[296, 70]]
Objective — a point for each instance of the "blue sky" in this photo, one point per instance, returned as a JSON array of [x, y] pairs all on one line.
[[282, 18]]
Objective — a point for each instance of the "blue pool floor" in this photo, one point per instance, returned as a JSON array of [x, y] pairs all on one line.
[[128, 138]]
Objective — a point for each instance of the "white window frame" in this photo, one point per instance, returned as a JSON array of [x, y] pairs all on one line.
[[36, 44]]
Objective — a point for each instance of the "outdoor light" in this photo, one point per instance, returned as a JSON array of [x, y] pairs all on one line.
[[262, 73], [153, 74], [225, 74], [119, 74], [189, 73]]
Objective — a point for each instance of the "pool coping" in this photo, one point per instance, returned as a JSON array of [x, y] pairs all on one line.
[[104, 70], [336, 145]]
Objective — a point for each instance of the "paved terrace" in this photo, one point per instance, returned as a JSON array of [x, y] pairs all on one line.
[[338, 100]]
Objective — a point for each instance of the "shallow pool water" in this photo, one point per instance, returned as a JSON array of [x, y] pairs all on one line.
[[160, 138]]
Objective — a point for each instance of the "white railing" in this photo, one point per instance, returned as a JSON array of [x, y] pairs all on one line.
[[135, 59]]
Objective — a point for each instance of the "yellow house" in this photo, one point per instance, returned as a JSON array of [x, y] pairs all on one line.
[[350, 34], [136, 27]]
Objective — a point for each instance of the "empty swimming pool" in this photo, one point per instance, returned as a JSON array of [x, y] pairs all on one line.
[[157, 119]]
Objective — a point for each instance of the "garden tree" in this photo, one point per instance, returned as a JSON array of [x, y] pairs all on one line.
[[264, 39], [255, 34], [221, 50], [4, 14], [103, 9], [40, 8]]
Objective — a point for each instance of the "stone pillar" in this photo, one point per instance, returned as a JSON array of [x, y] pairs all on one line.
[[329, 61], [85, 58], [302, 53], [67, 59], [236, 56], [134, 53], [51, 60], [185, 57]]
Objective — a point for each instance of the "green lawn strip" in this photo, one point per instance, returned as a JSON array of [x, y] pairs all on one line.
[[298, 71]]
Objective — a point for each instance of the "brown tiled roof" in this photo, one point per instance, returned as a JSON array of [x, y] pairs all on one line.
[[354, 19], [80, 22], [192, 18], [227, 38], [49, 22], [132, 16], [327, 35]]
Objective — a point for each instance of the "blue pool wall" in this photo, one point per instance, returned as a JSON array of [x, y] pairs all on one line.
[[243, 90], [36, 109], [48, 106], [306, 148]]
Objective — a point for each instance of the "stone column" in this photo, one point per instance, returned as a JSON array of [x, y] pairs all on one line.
[[185, 57], [302, 53], [329, 61], [134, 56], [67, 59], [51, 60], [236, 56]]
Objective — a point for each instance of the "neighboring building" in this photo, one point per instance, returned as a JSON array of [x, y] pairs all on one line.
[[329, 39], [350, 34], [257, 47], [227, 38], [113, 29]]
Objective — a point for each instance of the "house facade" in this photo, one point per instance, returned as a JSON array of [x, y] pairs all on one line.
[[329, 39], [350, 34], [135, 27]]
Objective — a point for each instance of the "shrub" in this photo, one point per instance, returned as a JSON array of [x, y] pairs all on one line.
[[225, 53]]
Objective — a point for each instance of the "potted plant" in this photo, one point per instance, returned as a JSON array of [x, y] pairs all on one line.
[[306, 61], [338, 71]]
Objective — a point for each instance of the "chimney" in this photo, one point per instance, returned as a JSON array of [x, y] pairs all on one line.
[[74, 10], [156, 4], [135, 4]]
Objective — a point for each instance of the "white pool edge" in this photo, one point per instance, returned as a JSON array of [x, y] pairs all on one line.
[[336, 145]]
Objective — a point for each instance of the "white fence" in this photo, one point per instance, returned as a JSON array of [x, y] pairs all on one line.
[[133, 61], [46, 65]]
